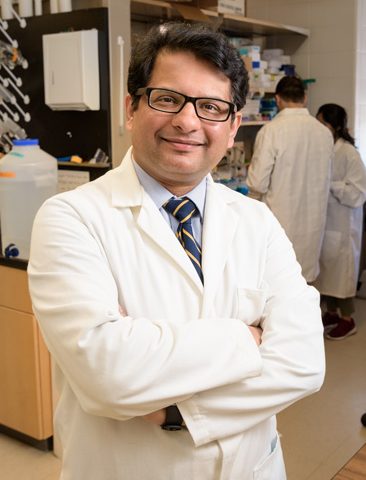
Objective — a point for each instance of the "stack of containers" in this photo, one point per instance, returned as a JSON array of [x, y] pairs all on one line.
[[278, 63], [264, 70]]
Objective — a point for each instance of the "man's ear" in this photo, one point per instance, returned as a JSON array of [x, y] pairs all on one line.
[[235, 124], [281, 104]]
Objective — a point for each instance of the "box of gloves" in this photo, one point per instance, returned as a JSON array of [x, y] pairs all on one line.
[[234, 7]]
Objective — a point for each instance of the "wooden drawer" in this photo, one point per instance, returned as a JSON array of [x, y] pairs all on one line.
[[25, 375], [14, 292]]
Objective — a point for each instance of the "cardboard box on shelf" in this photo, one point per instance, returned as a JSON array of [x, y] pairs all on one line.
[[234, 7]]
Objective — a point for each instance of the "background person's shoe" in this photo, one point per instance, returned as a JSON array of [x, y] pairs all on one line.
[[330, 320], [344, 329]]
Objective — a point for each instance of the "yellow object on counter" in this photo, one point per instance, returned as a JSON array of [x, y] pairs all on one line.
[[76, 159]]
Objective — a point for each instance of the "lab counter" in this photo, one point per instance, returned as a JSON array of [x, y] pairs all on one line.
[[13, 263], [25, 367]]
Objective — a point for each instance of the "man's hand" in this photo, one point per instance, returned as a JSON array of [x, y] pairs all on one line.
[[157, 418], [257, 334]]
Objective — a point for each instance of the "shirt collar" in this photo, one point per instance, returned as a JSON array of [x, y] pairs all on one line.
[[293, 111], [161, 195]]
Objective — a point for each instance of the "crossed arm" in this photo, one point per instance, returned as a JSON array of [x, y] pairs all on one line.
[[158, 417], [88, 339]]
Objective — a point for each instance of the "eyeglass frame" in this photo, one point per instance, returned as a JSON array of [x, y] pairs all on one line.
[[187, 99]]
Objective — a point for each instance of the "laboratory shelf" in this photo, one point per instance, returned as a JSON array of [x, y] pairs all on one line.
[[145, 10]]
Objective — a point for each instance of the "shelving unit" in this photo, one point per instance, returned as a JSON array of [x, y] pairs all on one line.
[[95, 169], [253, 123], [288, 37], [148, 10]]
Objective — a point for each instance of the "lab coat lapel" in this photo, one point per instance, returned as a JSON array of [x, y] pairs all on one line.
[[152, 223], [127, 192], [219, 226]]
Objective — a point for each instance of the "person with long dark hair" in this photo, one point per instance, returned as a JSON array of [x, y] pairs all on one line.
[[340, 256]]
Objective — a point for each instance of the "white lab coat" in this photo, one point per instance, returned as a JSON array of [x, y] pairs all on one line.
[[106, 244], [291, 169], [340, 255]]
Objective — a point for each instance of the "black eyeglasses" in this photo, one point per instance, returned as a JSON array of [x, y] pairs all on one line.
[[169, 101]]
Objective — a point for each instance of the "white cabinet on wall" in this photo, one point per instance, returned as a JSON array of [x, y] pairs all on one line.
[[75, 52]]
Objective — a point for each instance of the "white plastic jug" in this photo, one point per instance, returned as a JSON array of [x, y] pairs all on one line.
[[28, 176]]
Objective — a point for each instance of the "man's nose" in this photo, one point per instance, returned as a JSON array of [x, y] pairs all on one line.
[[187, 118]]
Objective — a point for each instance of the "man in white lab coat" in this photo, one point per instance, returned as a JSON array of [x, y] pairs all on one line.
[[291, 170], [168, 366]]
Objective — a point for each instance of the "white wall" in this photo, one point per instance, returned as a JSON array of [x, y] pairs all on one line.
[[329, 54], [119, 28], [360, 117]]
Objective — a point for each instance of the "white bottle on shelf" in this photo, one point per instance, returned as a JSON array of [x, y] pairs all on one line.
[[64, 5], [25, 8], [28, 176], [6, 9]]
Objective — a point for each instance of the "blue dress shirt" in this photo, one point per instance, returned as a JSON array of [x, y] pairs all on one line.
[[161, 195]]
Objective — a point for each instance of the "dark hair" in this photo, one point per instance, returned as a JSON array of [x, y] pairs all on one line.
[[291, 89], [199, 39], [337, 117]]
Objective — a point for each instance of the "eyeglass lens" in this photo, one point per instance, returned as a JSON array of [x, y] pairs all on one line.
[[172, 102]]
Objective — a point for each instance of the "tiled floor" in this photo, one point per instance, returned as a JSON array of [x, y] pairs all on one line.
[[319, 434], [22, 462], [322, 432]]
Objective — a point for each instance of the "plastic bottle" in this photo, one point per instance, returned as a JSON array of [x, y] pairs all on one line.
[[6, 9], [25, 8], [28, 176]]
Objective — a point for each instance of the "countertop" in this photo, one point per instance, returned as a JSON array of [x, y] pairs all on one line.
[[13, 262]]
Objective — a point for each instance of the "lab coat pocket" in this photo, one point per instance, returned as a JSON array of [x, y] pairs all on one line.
[[272, 467], [331, 247], [250, 305]]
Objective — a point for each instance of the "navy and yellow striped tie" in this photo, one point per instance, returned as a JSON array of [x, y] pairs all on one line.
[[183, 209]]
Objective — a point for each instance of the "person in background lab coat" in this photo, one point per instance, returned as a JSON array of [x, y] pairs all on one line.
[[163, 375], [290, 171], [340, 255]]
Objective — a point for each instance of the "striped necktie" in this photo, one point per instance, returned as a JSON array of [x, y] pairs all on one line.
[[183, 209]]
